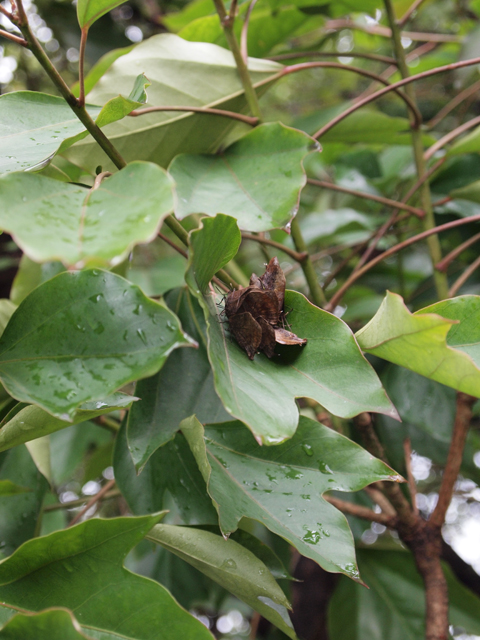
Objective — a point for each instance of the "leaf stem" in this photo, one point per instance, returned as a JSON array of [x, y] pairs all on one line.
[[98, 496], [362, 512], [445, 262], [433, 241], [244, 34], [409, 12], [316, 291], [332, 54], [13, 38], [295, 255], [250, 120], [81, 66], [227, 22], [460, 281], [451, 135]]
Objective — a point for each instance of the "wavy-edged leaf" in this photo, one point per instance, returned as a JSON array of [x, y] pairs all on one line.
[[51, 220], [119, 107], [257, 180], [182, 74], [282, 486], [81, 336], [26, 423], [82, 567], [234, 567], [52, 624], [330, 368], [420, 341]]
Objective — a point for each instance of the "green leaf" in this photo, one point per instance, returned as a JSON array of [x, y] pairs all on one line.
[[468, 144], [51, 220], [29, 275], [39, 449], [330, 368], [156, 418], [235, 568], [282, 486], [33, 125], [170, 470], [81, 336], [88, 11], [82, 567], [182, 74], [53, 624], [6, 311], [419, 341], [19, 517], [470, 192], [119, 107], [394, 606], [30, 422], [257, 180], [9, 488]]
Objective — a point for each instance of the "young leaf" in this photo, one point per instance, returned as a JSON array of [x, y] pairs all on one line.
[[83, 569], [235, 568], [51, 220], [25, 423], [119, 107], [52, 624], [420, 343], [257, 180], [9, 488], [330, 368], [81, 336], [394, 606], [88, 11], [182, 74], [282, 486], [155, 420]]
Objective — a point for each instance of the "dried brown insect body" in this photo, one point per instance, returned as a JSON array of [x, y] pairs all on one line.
[[255, 311]]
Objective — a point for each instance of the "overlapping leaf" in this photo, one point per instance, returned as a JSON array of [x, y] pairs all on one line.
[[282, 486], [88, 11], [83, 569], [51, 220], [81, 336], [26, 423], [182, 74], [52, 624], [421, 341], [330, 368], [257, 180], [234, 567]]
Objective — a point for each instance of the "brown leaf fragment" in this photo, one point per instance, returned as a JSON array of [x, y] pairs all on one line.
[[282, 336]]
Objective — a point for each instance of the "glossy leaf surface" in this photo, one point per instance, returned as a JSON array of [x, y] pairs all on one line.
[[88, 559], [282, 486], [420, 342], [235, 568], [257, 180], [51, 220], [155, 419], [26, 423], [182, 74], [81, 336]]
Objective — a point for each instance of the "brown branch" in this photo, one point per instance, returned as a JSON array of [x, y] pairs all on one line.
[[451, 135], [379, 498], [458, 99], [98, 496], [173, 245], [81, 66], [445, 262], [412, 486], [460, 281], [392, 87], [250, 120], [452, 468], [408, 13], [13, 38], [368, 196], [100, 178], [71, 504], [341, 265], [333, 54], [295, 255], [362, 512], [385, 32], [390, 252], [6, 13]]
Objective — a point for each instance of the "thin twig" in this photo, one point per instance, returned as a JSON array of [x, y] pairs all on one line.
[[412, 486], [451, 135], [408, 12], [379, 498], [450, 257], [79, 502], [99, 179], [368, 196], [334, 273], [361, 512], [452, 468], [173, 245], [244, 34], [98, 496], [458, 99], [332, 54], [6, 13], [316, 291], [460, 281], [295, 255], [250, 120], [390, 252], [13, 38], [81, 66], [385, 32]]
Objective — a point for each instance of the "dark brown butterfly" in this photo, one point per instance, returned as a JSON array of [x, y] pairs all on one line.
[[254, 313]]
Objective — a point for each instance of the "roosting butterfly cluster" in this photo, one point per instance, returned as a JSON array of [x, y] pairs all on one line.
[[255, 313]]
